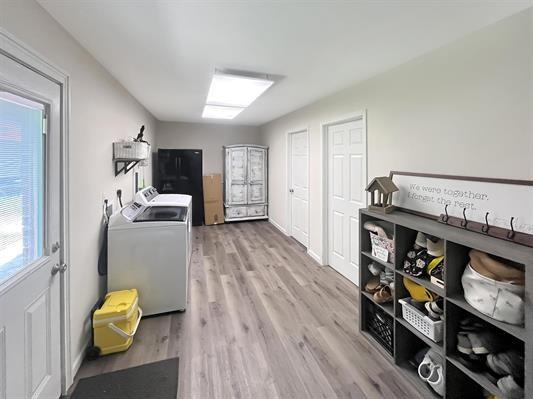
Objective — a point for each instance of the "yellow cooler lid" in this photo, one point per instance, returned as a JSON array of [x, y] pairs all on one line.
[[118, 304]]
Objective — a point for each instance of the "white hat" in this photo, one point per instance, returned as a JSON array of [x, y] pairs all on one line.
[[435, 248], [421, 240]]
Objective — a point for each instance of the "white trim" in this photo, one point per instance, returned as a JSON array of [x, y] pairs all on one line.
[[288, 154], [278, 226], [315, 256], [16, 49], [324, 153], [78, 359]]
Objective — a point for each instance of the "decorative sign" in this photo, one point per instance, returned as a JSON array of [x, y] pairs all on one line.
[[380, 253], [502, 199]]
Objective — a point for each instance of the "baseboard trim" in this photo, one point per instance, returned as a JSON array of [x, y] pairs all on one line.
[[278, 226], [315, 257], [78, 360]]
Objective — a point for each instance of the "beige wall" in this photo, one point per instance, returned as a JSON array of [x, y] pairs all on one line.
[[464, 109], [208, 137], [101, 111]]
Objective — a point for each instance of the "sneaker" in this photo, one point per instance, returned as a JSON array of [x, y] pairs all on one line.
[[510, 388], [510, 362], [485, 342], [436, 379]]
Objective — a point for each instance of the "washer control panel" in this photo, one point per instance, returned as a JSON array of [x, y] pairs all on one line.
[[132, 211]]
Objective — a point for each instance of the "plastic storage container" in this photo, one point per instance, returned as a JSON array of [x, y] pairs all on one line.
[[431, 329], [381, 326], [116, 322]]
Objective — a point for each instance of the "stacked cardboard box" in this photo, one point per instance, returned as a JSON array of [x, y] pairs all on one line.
[[213, 206]]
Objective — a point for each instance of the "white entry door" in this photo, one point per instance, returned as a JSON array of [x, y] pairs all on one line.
[[346, 194], [299, 186], [29, 234]]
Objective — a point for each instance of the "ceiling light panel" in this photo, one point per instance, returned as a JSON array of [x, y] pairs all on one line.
[[235, 90], [220, 112]]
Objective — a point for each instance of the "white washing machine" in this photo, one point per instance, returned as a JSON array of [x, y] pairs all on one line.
[[149, 249]]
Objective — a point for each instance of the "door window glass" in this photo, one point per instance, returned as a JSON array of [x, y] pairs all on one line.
[[21, 183]]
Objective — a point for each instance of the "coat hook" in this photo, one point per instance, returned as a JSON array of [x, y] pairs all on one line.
[[464, 223], [485, 228], [512, 233], [447, 217]]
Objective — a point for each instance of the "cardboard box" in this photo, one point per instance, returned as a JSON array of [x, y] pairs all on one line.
[[213, 205]]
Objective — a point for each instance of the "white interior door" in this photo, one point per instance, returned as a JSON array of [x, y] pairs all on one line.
[[299, 186], [346, 194], [29, 233]]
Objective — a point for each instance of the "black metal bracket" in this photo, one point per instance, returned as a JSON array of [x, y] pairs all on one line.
[[124, 166]]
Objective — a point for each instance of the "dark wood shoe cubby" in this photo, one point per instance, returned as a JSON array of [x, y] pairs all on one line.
[[406, 339]]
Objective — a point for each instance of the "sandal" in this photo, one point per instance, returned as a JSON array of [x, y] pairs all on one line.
[[384, 295], [373, 285]]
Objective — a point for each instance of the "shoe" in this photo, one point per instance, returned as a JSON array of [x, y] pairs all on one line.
[[436, 379], [373, 285], [510, 362], [384, 295], [485, 342], [375, 268], [510, 388], [427, 367], [435, 309], [386, 277], [376, 228], [464, 345]]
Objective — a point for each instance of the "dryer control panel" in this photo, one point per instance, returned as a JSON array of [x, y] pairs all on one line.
[[149, 193], [132, 211]]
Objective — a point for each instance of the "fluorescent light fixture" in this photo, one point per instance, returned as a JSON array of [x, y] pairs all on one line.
[[220, 112], [236, 90]]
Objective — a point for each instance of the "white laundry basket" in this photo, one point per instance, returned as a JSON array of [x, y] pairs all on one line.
[[130, 150], [430, 328]]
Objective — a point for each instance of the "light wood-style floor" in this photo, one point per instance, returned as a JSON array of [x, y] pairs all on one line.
[[264, 321]]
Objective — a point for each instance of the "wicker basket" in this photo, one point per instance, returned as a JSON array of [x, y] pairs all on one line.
[[384, 243], [381, 326], [430, 328], [131, 150]]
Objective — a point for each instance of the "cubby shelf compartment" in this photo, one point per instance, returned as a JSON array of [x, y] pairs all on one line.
[[457, 242], [435, 345], [387, 307], [479, 378], [369, 255], [412, 375], [516, 331], [423, 282]]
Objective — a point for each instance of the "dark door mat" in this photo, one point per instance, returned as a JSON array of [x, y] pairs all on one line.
[[157, 380]]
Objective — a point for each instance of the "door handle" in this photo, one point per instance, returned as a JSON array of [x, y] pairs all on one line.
[[291, 191], [59, 268]]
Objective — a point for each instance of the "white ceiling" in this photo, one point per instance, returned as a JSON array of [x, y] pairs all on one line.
[[164, 52]]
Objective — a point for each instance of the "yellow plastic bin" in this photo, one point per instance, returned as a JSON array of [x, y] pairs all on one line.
[[116, 322]]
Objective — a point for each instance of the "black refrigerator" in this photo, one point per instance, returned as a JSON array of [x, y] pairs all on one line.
[[180, 172]]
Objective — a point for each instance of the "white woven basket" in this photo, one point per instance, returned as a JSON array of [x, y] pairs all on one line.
[[130, 150], [430, 328]]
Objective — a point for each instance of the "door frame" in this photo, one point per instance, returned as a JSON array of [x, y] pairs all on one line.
[[288, 186], [17, 50], [357, 115]]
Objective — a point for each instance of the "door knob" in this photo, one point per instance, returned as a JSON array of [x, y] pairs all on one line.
[[59, 268], [291, 191]]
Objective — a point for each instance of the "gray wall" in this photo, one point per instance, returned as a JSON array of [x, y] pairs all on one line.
[[464, 109], [208, 137], [101, 112]]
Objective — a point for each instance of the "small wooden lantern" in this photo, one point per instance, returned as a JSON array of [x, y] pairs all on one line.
[[381, 189]]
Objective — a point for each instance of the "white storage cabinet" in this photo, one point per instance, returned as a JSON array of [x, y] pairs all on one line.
[[245, 182]]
